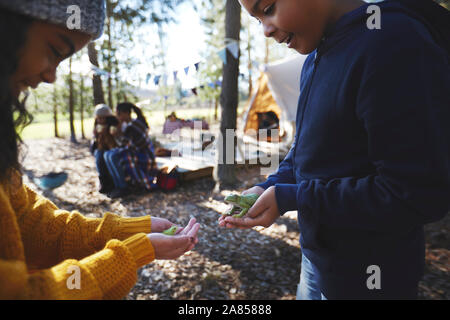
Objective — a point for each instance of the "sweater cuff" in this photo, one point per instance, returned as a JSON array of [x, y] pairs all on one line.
[[286, 196], [141, 248], [130, 226], [113, 268]]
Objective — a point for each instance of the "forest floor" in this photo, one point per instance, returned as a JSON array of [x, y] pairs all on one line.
[[261, 263]]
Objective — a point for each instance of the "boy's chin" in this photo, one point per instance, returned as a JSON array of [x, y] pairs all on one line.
[[305, 49]]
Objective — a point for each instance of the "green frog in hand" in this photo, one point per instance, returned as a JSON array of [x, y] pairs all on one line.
[[240, 203]]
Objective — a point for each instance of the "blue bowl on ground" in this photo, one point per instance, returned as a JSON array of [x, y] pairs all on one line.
[[52, 180]]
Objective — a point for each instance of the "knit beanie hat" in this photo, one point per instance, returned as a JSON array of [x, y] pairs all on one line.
[[102, 110], [88, 15]]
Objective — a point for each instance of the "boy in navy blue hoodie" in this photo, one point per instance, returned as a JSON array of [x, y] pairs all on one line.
[[370, 162]]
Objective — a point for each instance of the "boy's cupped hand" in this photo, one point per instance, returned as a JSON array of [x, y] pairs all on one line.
[[263, 213]]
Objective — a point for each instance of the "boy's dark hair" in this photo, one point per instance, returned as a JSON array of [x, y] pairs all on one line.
[[127, 107], [14, 115]]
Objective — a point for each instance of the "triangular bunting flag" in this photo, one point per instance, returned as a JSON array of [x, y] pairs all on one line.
[[148, 78], [223, 55], [196, 66], [233, 47], [95, 70], [186, 70], [156, 79], [99, 72], [175, 75]]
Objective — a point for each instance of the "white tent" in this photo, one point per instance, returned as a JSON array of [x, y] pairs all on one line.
[[277, 90]]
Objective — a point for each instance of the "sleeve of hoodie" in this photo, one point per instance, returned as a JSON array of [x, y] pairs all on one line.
[[284, 173], [404, 103]]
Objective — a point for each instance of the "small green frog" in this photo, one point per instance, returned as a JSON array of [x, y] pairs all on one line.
[[171, 231], [242, 203]]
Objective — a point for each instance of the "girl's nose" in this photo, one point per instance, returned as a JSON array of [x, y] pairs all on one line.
[[269, 29], [49, 76]]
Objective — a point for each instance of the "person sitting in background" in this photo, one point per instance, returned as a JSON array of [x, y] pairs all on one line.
[[172, 123], [268, 121], [160, 151], [196, 123], [105, 126], [133, 162]]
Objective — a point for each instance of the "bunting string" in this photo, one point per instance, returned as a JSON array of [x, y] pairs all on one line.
[[231, 45]]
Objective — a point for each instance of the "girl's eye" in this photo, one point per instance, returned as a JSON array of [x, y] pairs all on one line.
[[55, 52], [269, 9]]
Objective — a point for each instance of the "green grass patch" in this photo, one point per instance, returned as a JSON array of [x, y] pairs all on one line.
[[45, 130], [42, 126]]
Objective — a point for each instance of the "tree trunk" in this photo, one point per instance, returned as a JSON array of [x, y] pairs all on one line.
[[55, 111], [250, 64], [266, 57], [229, 98], [73, 137], [119, 93], [97, 86], [83, 136], [216, 107], [109, 62]]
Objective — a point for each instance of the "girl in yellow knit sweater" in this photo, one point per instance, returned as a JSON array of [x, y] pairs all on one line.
[[47, 253]]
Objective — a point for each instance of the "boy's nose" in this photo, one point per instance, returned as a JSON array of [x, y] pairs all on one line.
[[269, 29]]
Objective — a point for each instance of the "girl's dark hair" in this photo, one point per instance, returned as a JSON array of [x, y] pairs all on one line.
[[13, 34], [127, 107], [112, 121]]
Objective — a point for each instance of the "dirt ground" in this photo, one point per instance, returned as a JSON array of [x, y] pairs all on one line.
[[226, 264]]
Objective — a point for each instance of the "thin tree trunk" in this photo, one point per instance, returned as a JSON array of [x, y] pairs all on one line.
[[55, 112], [250, 64], [216, 107], [73, 137], [266, 57], [83, 136], [119, 93], [109, 62], [229, 98], [97, 86]]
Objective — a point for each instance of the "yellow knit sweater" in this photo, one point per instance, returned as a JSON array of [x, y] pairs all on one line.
[[47, 253]]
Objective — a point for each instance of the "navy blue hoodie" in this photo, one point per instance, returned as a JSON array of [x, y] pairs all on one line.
[[370, 161]]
